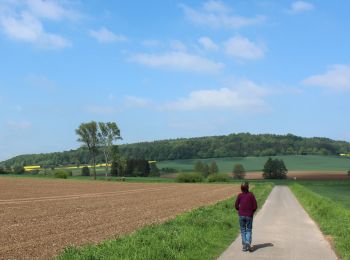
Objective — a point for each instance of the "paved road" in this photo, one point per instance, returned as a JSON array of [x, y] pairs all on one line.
[[283, 230]]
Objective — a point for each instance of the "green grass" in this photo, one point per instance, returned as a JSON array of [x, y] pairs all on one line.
[[293, 163], [203, 233], [336, 190], [332, 217]]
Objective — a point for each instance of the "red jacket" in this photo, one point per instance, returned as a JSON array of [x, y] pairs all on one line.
[[246, 204]]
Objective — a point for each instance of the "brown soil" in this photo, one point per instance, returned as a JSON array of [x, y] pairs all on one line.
[[41, 217], [306, 175]]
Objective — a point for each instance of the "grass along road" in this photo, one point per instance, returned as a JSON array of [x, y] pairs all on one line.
[[200, 234]]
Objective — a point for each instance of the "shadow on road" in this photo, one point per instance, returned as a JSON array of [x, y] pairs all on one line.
[[259, 246]]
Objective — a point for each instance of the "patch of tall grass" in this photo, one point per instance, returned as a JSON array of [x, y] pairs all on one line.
[[203, 233], [332, 217]]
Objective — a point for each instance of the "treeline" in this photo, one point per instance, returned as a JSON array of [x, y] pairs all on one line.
[[233, 145]]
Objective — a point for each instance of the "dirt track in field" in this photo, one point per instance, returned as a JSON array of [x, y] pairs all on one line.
[[41, 217], [306, 175]]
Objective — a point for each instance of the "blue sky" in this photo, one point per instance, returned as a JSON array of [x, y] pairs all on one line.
[[168, 69]]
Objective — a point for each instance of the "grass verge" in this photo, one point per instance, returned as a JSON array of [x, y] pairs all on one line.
[[203, 233], [332, 217]]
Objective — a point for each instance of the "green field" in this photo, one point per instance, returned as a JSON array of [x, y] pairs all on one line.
[[328, 203], [293, 163], [338, 191]]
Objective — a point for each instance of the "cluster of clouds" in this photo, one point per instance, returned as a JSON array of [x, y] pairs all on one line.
[[28, 21], [25, 21]]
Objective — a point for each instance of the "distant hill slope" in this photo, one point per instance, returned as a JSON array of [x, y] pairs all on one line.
[[233, 145]]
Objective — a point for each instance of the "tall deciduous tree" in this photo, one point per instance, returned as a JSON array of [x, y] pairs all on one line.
[[213, 168], [107, 134], [238, 171], [275, 169], [87, 133]]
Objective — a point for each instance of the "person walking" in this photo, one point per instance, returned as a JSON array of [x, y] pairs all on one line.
[[246, 206]]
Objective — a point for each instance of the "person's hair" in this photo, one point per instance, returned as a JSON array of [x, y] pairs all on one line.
[[245, 187]]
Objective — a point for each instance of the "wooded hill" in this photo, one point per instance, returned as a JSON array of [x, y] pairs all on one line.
[[233, 145]]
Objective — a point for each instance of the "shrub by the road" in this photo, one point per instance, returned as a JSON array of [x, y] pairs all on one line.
[[220, 177], [189, 177]]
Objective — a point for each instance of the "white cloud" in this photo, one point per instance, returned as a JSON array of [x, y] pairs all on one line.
[[216, 14], [243, 48], [50, 9], [207, 44], [178, 45], [131, 101], [103, 35], [300, 6], [178, 61], [216, 6], [243, 96], [337, 77], [23, 21], [28, 28]]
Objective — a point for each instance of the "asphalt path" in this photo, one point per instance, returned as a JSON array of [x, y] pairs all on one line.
[[283, 230]]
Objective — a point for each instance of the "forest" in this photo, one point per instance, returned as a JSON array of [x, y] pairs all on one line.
[[232, 145]]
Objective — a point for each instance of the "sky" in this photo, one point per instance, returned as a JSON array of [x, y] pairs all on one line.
[[170, 69]]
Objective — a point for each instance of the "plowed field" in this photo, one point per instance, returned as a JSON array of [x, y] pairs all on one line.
[[40, 217]]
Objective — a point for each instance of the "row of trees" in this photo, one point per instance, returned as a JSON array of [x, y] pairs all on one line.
[[205, 169], [273, 169], [233, 145]]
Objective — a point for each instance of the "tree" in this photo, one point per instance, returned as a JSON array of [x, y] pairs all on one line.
[[238, 171], [154, 171], [85, 171], [87, 133], [107, 134], [205, 170], [213, 168], [198, 166], [275, 169]]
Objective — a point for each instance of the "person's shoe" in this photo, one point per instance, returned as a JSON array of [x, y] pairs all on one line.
[[245, 248], [250, 248]]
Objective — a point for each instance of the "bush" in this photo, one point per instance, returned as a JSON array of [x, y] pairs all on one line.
[[348, 172], [221, 177], [239, 171], [18, 169], [2, 171], [189, 177], [61, 174], [85, 171], [121, 179]]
